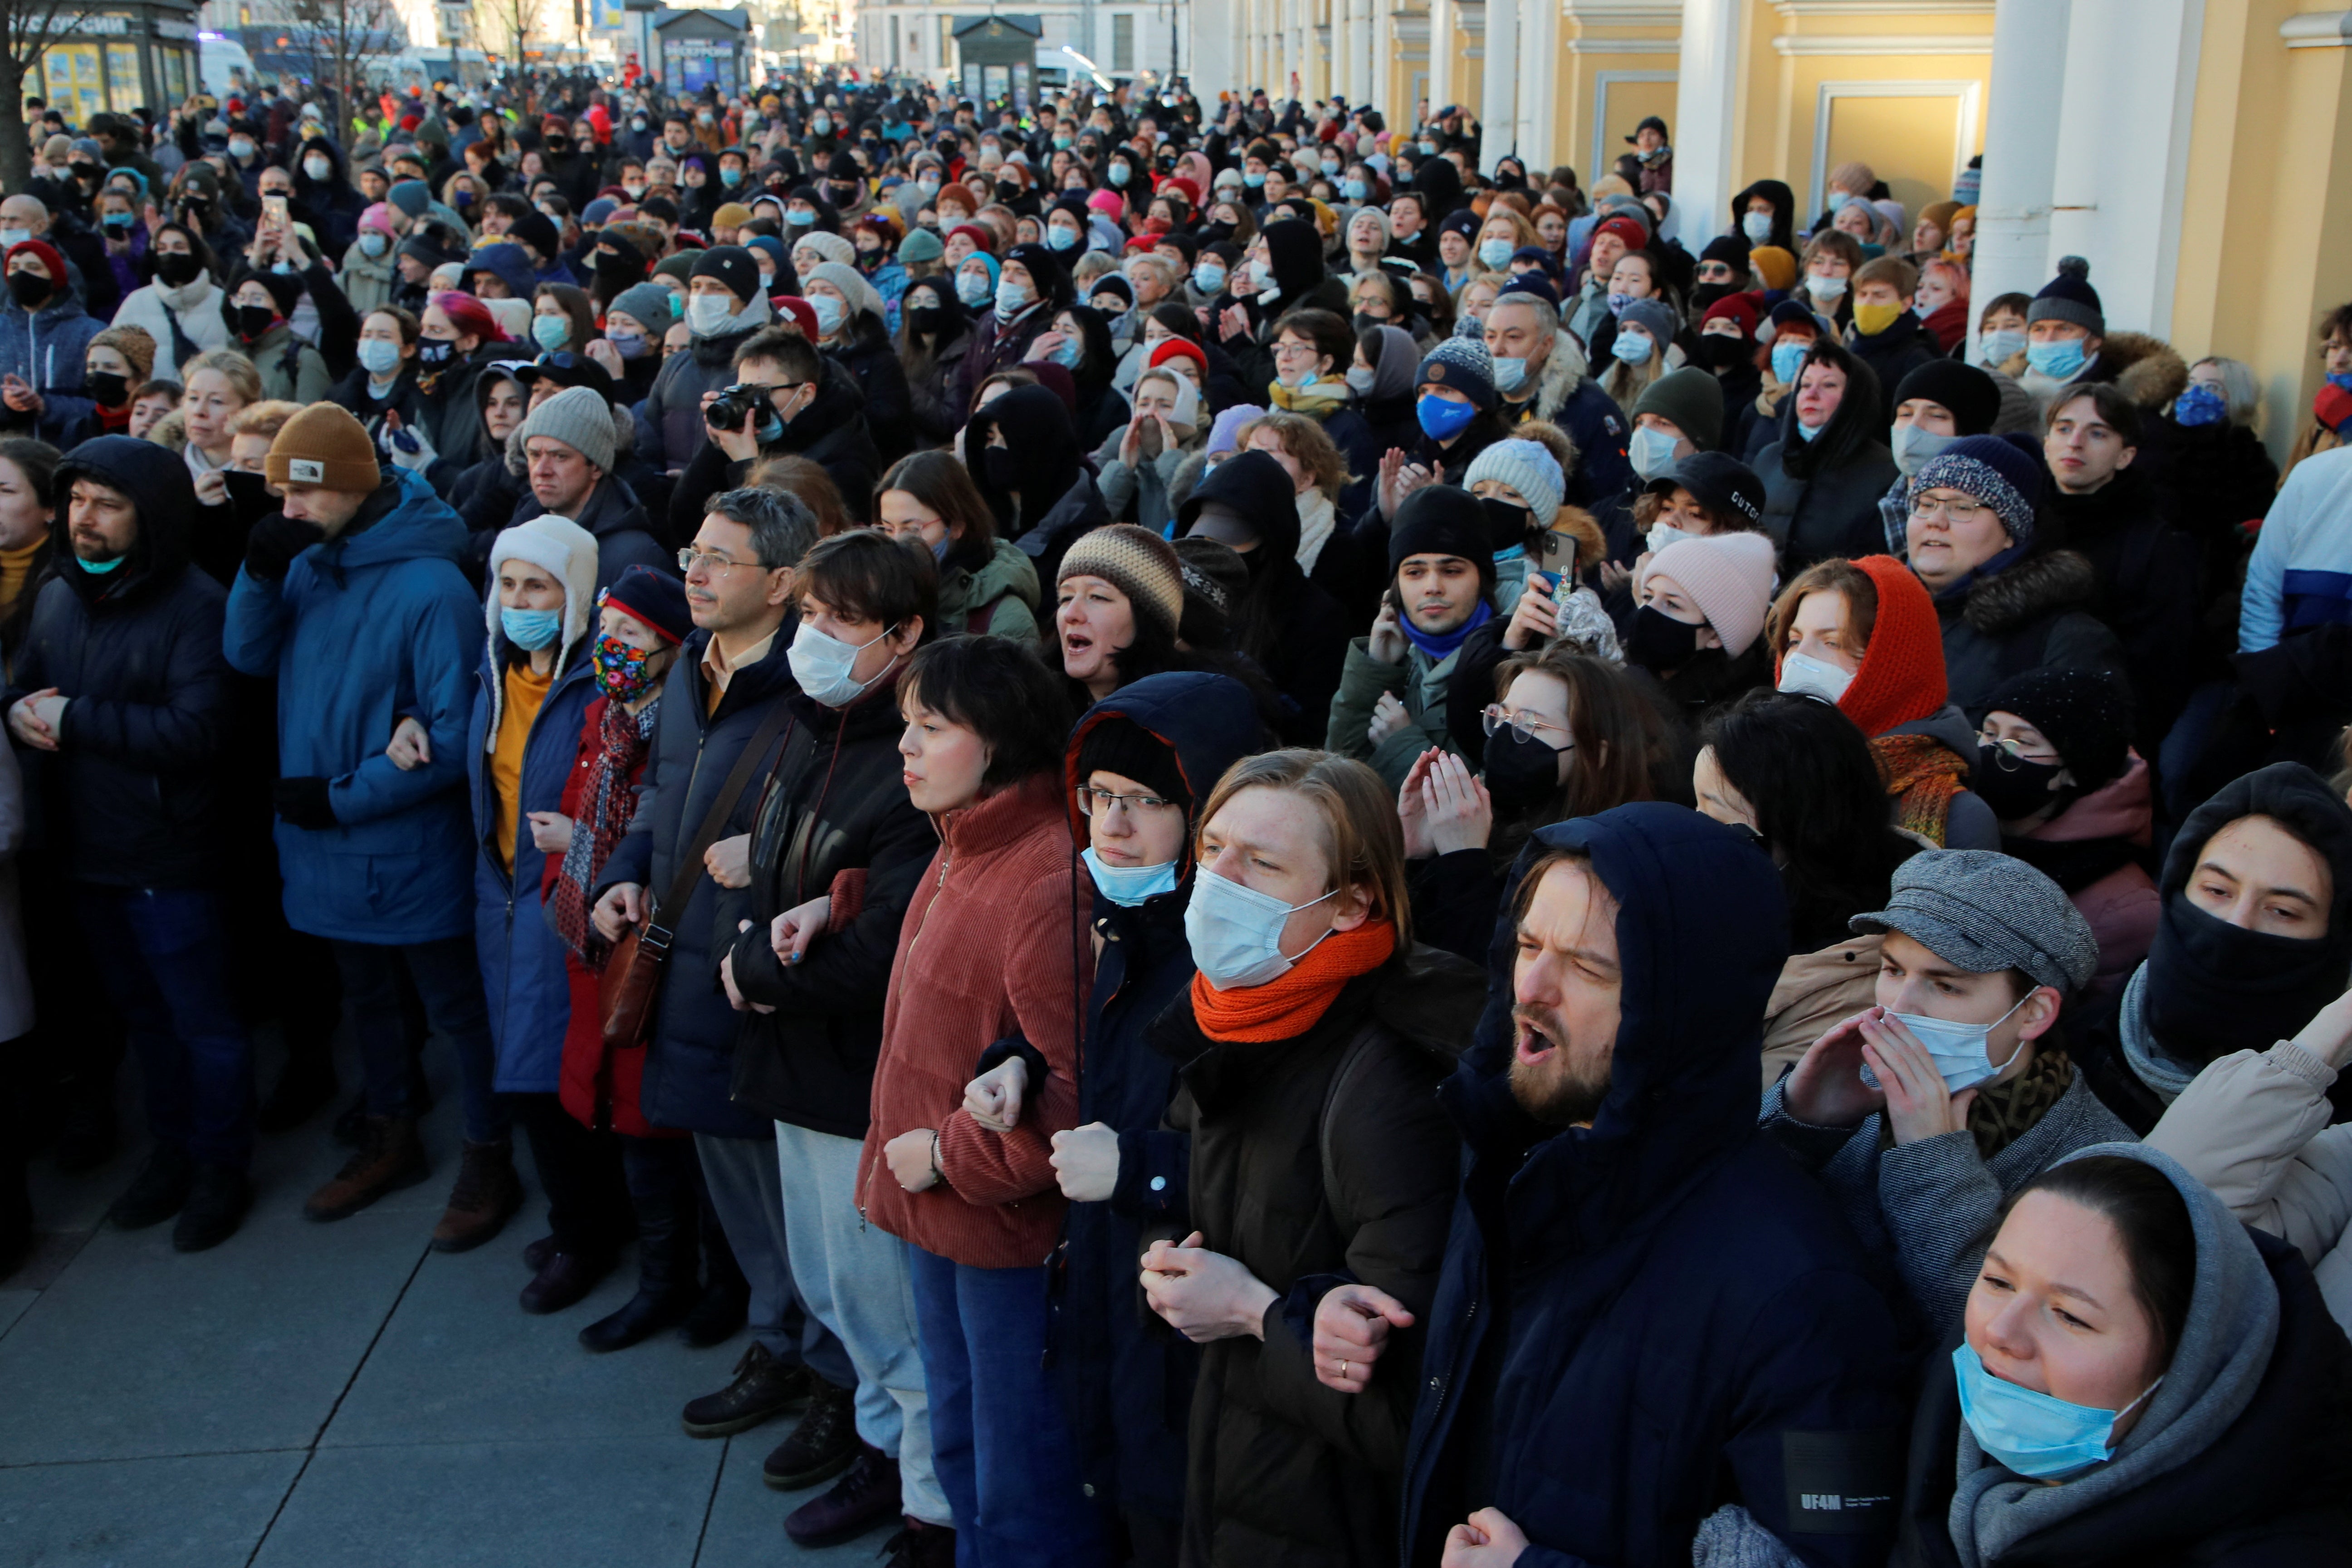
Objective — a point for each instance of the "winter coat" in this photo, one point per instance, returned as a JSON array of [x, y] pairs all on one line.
[[524, 978], [690, 1059], [996, 345], [45, 348], [1816, 992], [2300, 575], [1126, 1379], [453, 414], [2237, 1460], [832, 818], [2150, 591], [1000, 599], [932, 397], [1568, 396], [830, 433], [1317, 1160], [2220, 476], [368, 284], [2097, 849], [132, 793], [624, 533], [1902, 347], [1968, 822], [195, 309], [873, 364], [670, 426], [352, 394], [1648, 1318], [1418, 683], [1137, 492], [994, 947], [290, 369], [2034, 615], [1815, 514], [372, 626]]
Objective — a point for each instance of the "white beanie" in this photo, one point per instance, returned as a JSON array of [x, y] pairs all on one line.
[[861, 294], [565, 550], [1727, 576], [1528, 468]]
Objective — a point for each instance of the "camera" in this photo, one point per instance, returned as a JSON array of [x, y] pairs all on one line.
[[738, 401]]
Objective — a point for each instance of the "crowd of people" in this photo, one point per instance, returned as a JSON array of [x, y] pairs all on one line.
[[1278, 843]]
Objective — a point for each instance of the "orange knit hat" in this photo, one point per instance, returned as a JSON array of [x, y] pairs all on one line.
[[1902, 674]]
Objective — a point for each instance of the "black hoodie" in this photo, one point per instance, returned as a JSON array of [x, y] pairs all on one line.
[[132, 791], [1784, 214]]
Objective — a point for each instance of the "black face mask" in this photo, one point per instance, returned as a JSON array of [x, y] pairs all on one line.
[[1365, 321], [845, 193], [1658, 642], [1521, 774], [619, 266], [1008, 190], [2213, 987], [107, 389], [1507, 522], [434, 353], [32, 290], [2014, 787], [252, 320], [250, 497], [1717, 351], [926, 319], [177, 268], [1003, 468], [558, 143], [1706, 294]]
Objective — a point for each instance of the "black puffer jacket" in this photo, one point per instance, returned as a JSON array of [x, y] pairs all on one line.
[[132, 793], [835, 804], [873, 363], [830, 432], [1316, 1160], [1821, 497], [2033, 615], [2148, 593]]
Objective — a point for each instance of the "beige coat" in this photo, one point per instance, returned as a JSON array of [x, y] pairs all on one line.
[[1815, 991], [2254, 1127]]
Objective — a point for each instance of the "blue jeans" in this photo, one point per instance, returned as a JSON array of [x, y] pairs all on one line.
[[165, 956], [1000, 1442], [449, 982]]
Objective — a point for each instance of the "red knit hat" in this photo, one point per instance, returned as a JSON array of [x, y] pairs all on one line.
[[1173, 348], [59, 281], [1737, 308], [802, 313], [1902, 675], [1626, 229]]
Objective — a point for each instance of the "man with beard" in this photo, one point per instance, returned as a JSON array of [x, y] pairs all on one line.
[[1651, 1330]]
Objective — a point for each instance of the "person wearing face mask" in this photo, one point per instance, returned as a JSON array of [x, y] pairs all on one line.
[[1862, 635], [261, 305], [1825, 277], [1699, 619], [2185, 1421], [1032, 285], [1315, 1021], [724, 307], [45, 337], [2219, 468], [851, 334], [384, 381], [1935, 406], [1823, 475], [2055, 764], [934, 335], [1883, 333], [798, 403], [1921, 1113], [1137, 463], [1762, 214], [369, 270], [635, 324], [117, 361], [323, 187]]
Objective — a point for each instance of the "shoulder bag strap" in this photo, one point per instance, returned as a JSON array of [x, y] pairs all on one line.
[[681, 888]]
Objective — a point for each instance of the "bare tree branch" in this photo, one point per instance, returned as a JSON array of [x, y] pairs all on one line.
[[28, 28]]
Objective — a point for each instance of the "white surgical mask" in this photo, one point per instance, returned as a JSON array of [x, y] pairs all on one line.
[[1662, 534], [1825, 288], [1236, 933], [822, 664], [318, 166], [828, 313], [381, 356], [705, 314], [1913, 448], [1802, 674], [1757, 226], [1362, 379], [1651, 451]]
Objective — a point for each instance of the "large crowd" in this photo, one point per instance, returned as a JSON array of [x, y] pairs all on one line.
[[1279, 844]]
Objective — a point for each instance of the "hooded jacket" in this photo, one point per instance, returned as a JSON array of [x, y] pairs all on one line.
[[45, 348], [1644, 1321], [374, 625], [2237, 1458], [1005, 587], [131, 795], [1056, 498], [1784, 211], [1821, 497], [194, 309], [2035, 614], [1126, 1379]]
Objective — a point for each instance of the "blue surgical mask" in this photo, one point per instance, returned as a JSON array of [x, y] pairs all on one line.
[[2058, 359], [1442, 417], [1812, 432], [1494, 254], [1958, 1050], [2200, 405], [2342, 379], [1913, 447], [800, 218], [1838, 200], [828, 312], [550, 332], [372, 245], [532, 630], [1252, 181], [1355, 190], [1209, 279], [1788, 358], [1632, 346], [1999, 346], [730, 177], [2038, 1436], [1236, 933], [973, 288], [381, 356], [1119, 175], [1010, 297], [1651, 451], [100, 568], [1511, 373], [1066, 354], [1128, 886], [1061, 239], [626, 343]]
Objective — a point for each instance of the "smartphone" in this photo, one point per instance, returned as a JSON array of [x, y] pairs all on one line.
[[273, 211], [1550, 581]]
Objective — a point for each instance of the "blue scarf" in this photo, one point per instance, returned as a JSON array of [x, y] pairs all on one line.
[[1442, 646]]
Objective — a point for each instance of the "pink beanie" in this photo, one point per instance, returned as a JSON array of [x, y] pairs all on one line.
[[1728, 576], [378, 216], [1109, 204]]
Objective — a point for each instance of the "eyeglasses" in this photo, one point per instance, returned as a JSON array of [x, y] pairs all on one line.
[[1956, 510], [1496, 717], [2008, 752], [1095, 802], [690, 559]]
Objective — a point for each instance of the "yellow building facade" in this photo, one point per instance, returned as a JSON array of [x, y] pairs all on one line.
[[2198, 152]]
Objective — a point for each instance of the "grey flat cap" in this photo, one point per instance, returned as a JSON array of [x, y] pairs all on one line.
[[1984, 911]]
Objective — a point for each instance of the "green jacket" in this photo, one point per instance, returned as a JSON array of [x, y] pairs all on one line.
[[1005, 587], [1417, 682]]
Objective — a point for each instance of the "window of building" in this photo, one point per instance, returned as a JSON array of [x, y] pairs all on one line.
[[1122, 41]]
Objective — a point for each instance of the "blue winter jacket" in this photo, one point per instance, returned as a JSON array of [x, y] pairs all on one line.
[[523, 977], [372, 626], [45, 348], [1650, 1318]]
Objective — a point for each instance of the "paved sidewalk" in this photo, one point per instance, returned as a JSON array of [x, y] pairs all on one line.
[[339, 1396]]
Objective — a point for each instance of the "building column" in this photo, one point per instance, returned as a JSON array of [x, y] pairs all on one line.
[[1498, 84], [1538, 73], [2023, 115], [1707, 118], [1444, 16]]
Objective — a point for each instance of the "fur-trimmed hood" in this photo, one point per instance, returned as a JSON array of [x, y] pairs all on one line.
[[1563, 372], [2035, 586], [2149, 371]]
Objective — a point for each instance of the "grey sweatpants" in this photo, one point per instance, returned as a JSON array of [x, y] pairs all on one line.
[[741, 1176]]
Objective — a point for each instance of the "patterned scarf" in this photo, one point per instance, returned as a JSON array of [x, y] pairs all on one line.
[[1922, 775], [1318, 399], [622, 744], [2002, 1113]]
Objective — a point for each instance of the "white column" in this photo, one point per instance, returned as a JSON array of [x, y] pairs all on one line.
[[1706, 113], [1444, 19], [2022, 126], [1539, 69], [1209, 50], [2116, 198], [1498, 83]]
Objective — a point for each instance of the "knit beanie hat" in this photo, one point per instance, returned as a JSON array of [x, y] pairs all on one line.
[[1691, 397], [1738, 309], [1775, 267], [1115, 743], [323, 446], [1138, 562], [2004, 472], [565, 552], [2069, 297], [377, 216], [681, 265], [1463, 365], [1972, 395], [1534, 283], [733, 267], [579, 418], [411, 197], [1182, 348], [731, 214], [1441, 519], [831, 246], [852, 284], [1987, 912], [1902, 675], [1728, 576], [1625, 226], [1527, 469], [922, 246], [2082, 713], [1656, 318], [656, 597], [648, 303]]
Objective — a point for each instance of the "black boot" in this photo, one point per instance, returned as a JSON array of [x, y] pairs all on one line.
[[157, 1192], [216, 1203], [820, 1447], [667, 1291]]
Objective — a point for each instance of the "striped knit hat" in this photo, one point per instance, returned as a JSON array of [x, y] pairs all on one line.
[[2003, 472], [1139, 564]]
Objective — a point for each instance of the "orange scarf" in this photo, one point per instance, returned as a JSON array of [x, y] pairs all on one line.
[[1294, 1001], [1922, 775]]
